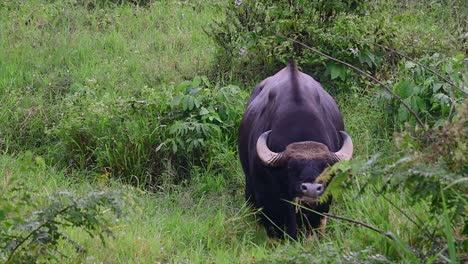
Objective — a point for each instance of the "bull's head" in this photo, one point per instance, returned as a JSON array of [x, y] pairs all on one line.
[[305, 161]]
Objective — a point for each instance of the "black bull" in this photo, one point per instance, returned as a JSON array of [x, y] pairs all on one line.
[[291, 132]]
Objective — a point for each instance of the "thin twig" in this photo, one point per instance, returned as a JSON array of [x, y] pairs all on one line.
[[446, 79], [387, 234], [34, 231], [77, 246], [365, 74], [381, 192], [406, 215]]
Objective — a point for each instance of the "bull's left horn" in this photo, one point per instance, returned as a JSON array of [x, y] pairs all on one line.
[[267, 156], [346, 151]]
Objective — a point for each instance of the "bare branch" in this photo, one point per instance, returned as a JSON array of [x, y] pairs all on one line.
[[13, 251], [428, 233], [385, 233], [388, 234]]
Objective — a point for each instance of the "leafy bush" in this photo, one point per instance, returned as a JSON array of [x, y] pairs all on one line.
[[432, 166], [139, 139], [430, 96], [348, 30], [33, 226], [437, 162], [203, 124], [250, 46]]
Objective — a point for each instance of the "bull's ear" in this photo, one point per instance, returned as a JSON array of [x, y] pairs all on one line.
[[268, 157], [346, 151]]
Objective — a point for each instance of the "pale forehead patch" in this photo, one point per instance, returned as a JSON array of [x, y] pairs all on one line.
[[308, 150]]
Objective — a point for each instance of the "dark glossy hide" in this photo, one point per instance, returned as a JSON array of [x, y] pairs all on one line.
[[296, 108]]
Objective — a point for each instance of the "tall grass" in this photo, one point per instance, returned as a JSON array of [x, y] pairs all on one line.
[[51, 51]]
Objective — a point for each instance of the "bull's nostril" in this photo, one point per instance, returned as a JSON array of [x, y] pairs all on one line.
[[320, 188], [304, 187]]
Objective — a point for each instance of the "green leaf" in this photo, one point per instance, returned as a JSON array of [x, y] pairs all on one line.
[[194, 90], [413, 103], [402, 114], [176, 100], [448, 68], [436, 87], [448, 230], [459, 57], [421, 105], [204, 111], [196, 81], [183, 86], [185, 104], [403, 89], [206, 81], [442, 98], [174, 146], [196, 102], [337, 71], [191, 103], [415, 89]]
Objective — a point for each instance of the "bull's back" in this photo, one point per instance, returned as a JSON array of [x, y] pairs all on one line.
[[295, 107]]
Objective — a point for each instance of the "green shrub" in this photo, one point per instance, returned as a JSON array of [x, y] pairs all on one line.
[[430, 96], [137, 139], [431, 165], [436, 162], [33, 227], [250, 47]]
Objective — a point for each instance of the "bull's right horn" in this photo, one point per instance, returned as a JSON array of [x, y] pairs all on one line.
[[346, 151], [267, 156]]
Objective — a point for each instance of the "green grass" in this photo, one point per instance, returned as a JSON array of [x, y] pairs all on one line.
[[183, 225], [68, 73], [52, 51]]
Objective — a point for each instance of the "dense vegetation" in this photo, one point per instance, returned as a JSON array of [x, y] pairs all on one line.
[[118, 126]]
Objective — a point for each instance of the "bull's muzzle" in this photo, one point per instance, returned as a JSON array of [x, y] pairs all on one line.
[[312, 190]]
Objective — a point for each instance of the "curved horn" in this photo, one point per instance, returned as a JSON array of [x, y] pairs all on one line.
[[267, 156], [346, 151]]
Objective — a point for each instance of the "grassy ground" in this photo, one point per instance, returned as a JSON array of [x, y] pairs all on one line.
[[185, 225], [53, 52]]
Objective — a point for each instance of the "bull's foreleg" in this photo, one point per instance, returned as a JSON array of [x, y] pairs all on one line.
[[291, 222], [280, 223], [313, 234], [323, 224]]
